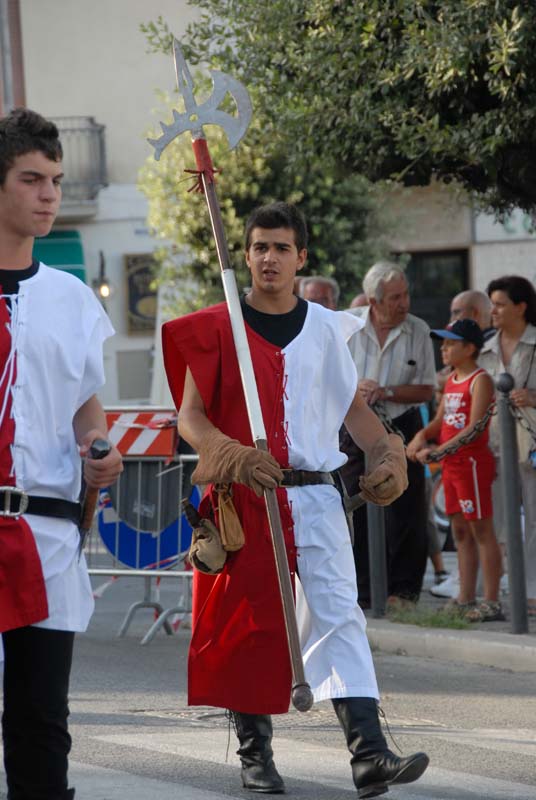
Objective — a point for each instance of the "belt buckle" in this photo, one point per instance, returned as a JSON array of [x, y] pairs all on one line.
[[9, 492]]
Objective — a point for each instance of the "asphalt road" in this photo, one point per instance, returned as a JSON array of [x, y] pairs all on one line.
[[135, 737]]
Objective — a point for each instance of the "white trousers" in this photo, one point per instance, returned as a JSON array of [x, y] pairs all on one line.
[[332, 627]]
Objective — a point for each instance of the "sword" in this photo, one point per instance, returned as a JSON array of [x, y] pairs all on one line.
[[193, 119]]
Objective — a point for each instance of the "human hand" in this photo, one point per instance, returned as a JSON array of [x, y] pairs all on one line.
[[387, 477], [100, 472], [257, 469], [416, 444], [523, 398], [422, 455], [226, 460], [369, 390]]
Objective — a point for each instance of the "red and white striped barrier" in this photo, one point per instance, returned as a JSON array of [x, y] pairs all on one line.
[[143, 433]]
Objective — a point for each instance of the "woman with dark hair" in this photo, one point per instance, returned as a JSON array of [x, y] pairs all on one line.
[[513, 350], [519, 290]]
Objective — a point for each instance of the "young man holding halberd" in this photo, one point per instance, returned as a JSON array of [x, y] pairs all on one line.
[[51, 334], [307, 386]]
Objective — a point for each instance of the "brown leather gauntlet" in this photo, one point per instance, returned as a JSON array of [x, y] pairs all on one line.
[[225, 460], [206, 550], [387, 476]]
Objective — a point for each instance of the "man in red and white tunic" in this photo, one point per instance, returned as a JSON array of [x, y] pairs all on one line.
[[307, 386], [51, 334]]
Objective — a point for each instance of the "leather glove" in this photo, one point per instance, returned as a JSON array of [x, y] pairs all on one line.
[[206, 550], [387, 476], [225, 460]]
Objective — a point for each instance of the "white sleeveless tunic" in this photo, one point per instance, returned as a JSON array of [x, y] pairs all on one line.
[[321, 384]]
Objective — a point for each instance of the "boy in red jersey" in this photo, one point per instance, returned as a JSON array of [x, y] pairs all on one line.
[[469, 472]]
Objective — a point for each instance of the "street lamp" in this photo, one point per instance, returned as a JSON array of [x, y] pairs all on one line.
[[102, 286]]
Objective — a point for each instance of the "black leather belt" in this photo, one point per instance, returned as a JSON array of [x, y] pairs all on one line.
[[305, 477], [15, 501]]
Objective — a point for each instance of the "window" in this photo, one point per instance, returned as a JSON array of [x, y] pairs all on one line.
[[434, 279]]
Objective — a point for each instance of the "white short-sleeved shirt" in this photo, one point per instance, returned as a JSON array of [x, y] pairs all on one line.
[[406, 358], [59, 328]]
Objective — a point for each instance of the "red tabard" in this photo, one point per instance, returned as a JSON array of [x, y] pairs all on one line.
[[239, 654], [23, 598]]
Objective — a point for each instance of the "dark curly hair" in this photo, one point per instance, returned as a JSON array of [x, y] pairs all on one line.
[[24, 131], [519, 290], [278, 215]]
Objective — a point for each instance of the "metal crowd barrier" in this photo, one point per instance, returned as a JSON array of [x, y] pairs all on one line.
[[140, 531]]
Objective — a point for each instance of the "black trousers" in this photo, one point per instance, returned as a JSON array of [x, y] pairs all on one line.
[[34, 723], [405, 522]]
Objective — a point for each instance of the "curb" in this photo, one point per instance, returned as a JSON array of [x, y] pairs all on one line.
[[515, 652]]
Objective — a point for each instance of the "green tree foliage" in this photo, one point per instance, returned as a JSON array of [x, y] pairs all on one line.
[[404, 89], [345, 236]]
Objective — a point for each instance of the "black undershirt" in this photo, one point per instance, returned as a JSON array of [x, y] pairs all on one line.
[[278, 329], [10, 278]]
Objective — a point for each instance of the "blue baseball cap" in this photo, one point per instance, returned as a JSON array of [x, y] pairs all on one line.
[[465, 330]]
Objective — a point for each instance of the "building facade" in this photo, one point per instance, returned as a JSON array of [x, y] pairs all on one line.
[[451, 247], [86, 65]]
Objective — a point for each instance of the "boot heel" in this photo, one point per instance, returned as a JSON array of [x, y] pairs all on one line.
[[372, 791], [265, 780]]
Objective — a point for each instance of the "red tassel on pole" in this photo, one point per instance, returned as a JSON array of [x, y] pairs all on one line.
[[204, 165]]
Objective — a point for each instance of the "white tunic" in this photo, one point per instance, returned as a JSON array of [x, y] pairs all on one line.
[[58, 328], [321, 384]]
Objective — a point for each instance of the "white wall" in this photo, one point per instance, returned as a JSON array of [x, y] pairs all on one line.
[[437, 218], [495, 259], [88, 58], [427, 218], [118, 229]]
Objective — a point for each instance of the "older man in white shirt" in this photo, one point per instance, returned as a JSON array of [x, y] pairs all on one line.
[[395, 363]]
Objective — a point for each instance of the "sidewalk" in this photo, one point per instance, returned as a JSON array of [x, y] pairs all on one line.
[[490, 643]]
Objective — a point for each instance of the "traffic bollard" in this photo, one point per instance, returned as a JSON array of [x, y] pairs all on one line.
[[511, 494], [377, 559]]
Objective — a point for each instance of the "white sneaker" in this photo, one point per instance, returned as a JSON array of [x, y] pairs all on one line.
[[450, 587]]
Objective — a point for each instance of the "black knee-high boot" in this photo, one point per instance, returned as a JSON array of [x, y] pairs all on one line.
[[374, 766], [259, 773]]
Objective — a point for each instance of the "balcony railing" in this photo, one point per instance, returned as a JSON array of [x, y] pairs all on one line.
[[84, 159]]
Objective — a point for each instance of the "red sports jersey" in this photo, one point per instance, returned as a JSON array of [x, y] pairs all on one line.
[[457, 413]]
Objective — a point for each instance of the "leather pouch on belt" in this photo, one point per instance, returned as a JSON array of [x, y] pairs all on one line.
[[230, 527]]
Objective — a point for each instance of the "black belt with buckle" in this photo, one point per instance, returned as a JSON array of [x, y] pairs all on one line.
[[14, 502], [305, 477]]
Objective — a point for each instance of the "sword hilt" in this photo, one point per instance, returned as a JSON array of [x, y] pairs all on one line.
[[99, 449]]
